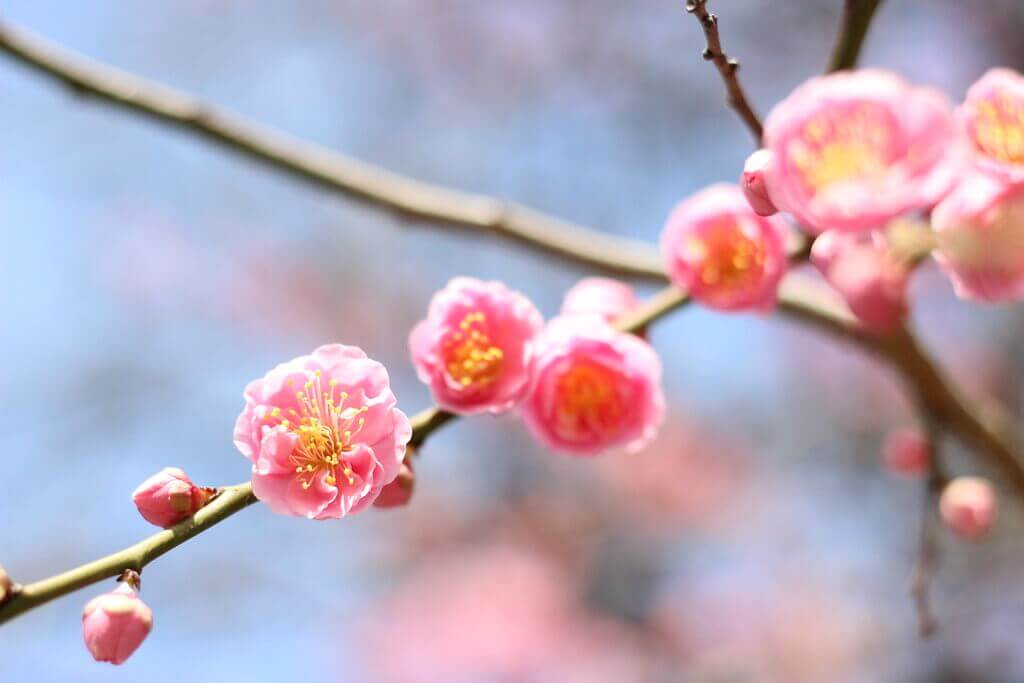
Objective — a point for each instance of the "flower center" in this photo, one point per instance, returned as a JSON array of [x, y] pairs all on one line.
[[470, 357], [839, 147], [727, 258], [325, 427], [587, 400], [999, 129]]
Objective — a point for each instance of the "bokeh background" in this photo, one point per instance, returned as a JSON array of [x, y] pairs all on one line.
[[146, 276]]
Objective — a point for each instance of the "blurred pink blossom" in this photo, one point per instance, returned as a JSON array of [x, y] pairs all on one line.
[[722, 253], [993, 118], [754, 185], [476, 346], [323, 433], [906, 452], [600, 296], [596, 388], [968, 507]]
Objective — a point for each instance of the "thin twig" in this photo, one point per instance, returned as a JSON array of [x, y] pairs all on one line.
[[927, 551], [726, 66], [406, 197], [853, 27]]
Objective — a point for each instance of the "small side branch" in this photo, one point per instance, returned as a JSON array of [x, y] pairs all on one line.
[[927, 551], [726, 66], [853, 27]]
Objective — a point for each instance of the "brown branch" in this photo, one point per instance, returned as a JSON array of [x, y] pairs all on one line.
[[853, 28], [403, 196], [927, 545], [727, 67]]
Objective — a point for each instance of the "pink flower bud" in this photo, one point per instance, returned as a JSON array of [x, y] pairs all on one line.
[[968, 507], [115, 624], [398, 492], [872, 282], [906, 452], [754, 185], [854, 149], [601, 296], [6, 585], [169, 497], [722, 253]]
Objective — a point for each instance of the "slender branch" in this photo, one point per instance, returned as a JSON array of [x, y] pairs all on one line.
[[406, 197], [927, 553], [853, 27], [727, 67]]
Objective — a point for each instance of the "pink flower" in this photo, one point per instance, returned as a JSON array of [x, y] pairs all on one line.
[[968, 507], [168, 497], [754, 185], [596, 388], [323, 433], [398, 492], [6, 585], [722, 253], [906, 452], [865, 273], [601, 296], [115, 624], [979, 230], [475, 348], [993, 119], [852, 150]]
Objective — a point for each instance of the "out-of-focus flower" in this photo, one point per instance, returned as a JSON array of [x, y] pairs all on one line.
[[596, 388], [115, 624], [993, 118], [906, 451], [169, 497], [323, 433], [979, 230], [475, 348], [398, 492], [600, 296], [853, 150], [968, 507], [722, 253], [754, 185], [872, 282], [6, 585]]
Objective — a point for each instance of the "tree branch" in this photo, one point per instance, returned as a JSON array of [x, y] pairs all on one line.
[[403, 196], [853, 27], [727, 67]]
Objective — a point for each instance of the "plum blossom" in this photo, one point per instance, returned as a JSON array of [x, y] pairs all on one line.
[[968, 507], [323, 433], [867, 275], [398, 492], [993, 119], [168, 497], [475, 347], [722, 253], [906, 452], [754, 185], [596, 388], [852, 150], [601, 296], [115, 624], [979, 232]]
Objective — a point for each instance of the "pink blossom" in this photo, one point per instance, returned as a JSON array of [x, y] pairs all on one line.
[[168, 497], [596, 388], [906, 452], [607, 298], [475, 348], [754, 185], [852, 150], [6, 585], [115, 624], [993, 119], [979, 230], [722, 253], [870, 279], [323, 433], [398, 492], [968, 507]]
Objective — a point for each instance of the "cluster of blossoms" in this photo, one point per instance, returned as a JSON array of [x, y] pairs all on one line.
[[846, 156]]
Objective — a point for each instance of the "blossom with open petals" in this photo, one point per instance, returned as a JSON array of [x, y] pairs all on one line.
[[852, 150], [475, 347], [722, 253], [323, 433], [596, 388], [993, 119], [979, 232]]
